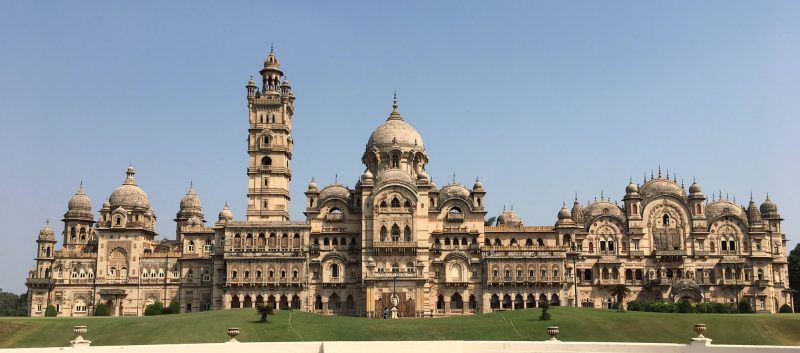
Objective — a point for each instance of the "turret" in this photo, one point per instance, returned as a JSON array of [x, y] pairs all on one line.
[[45, 251], [78, 221], [478, 194]]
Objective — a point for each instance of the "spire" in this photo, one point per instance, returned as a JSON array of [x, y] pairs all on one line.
[[395, 115], [659, 171]]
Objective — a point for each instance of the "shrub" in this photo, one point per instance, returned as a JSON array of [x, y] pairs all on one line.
[[101, 310], [264, 310], [173, 308], [50, 311], [744, 307], [785, 309], [684, 306], [545, 305], [635, 306], [156, 308]]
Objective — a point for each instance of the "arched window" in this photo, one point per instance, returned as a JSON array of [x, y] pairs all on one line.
[[395, 202], [540, 242], [191, 246], [610, 245], [731, 245], [395, 267], [395, 160], [383, 204], [383, 233], [334, 271], [455, 273], [246, 273], [395, 233], [326, 242], [454, 210], [73, 235], [407, 233], [497, 242], [665, 220], [407, 204], [266, 161]]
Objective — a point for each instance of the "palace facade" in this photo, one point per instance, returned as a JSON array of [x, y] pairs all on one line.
[[395, 231]]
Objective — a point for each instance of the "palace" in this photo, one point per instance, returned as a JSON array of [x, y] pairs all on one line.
[[396, 233]]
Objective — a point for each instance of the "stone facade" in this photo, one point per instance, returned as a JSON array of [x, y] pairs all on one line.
[[396, 232]]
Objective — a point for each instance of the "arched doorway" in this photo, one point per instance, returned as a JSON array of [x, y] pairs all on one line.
[[334, 304], [234, 302], [259, 300], [494, 302], [271, 301], [555, 300], [440, 304], [350, 305], [506, 301], [283, 304], [248, 302], [295, 302], [542, 299], [456, 303], [518, 302], [531, 302], [318, 303]]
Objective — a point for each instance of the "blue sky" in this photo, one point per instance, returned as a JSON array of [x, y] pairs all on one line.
[[540, 99]]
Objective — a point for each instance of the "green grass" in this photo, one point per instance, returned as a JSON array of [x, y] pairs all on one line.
[[576, 325]]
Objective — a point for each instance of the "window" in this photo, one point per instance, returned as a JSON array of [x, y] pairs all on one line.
[[395, 233], [665, 220], [383, 233], [190, 274], [395, 160], [395, 202], [395, 267], [334, 271], [191, 246], [266, 161]]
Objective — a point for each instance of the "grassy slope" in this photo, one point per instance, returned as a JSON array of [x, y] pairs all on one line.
[[576, 325]]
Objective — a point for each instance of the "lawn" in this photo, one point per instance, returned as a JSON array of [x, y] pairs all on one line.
[[576, 324]]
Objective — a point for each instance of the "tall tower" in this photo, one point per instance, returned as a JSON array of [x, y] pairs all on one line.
[[269, 144]]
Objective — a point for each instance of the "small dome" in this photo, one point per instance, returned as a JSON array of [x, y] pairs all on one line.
[[603, 208], [106, 205], [271, 61], [312, 185], [509, 218], [478, 186], [334, 191], [450, 191], [225, 214], [190, 201], [129, 195], [251, 83], [80, 201], [47, 233], [769, 209], [285, 83], [564, 213], [632, 188], [695, 188]]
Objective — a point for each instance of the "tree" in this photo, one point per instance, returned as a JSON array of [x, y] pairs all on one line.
[[619, 291], [490, 221], [785, 309], [744, 307], [50, 311], [101, 310], [794, 271], [545, 305], [13, 305], [264, 310]]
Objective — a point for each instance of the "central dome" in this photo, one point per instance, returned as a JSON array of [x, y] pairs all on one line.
[[395, 132], [129, 195]]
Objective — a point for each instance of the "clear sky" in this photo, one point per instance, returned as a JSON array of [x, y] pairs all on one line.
[[540, 99]]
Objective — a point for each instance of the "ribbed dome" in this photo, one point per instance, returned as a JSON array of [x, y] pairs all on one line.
[[695, 188], [577, 212], [271, 61], [478, 186], [190, 201], [395, 132], [225, 214], [450, 191], [80, 201], [129, 195], [769, 209], [509, 218], [632, 188], [603, 208], [720, 208], [658, 187], [312, 185], [334, 191], [47, 233], [564, 214]]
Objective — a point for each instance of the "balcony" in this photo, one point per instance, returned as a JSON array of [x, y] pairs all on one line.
[[762, 283], [636, 253], [334, 217], [395, 244], [455, 217], [702, 253]]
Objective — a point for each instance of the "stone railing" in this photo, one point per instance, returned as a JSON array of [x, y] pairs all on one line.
[[697, 344]]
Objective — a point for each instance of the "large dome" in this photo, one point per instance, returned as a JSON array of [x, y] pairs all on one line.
[[721, 208], [395, 132], [334, 191], [129, 195], [603, 208], [658, 187]]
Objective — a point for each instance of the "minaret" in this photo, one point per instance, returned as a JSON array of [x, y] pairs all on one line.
[[269, 144], [78, 221]]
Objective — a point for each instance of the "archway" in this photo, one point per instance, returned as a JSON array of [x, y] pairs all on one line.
[[234, 302], [456, 303], [506, 301], [518, 303], [494, 302]]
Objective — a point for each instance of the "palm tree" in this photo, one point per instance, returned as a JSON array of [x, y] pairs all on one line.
[[620, 291], [490, 222], [264, 310]]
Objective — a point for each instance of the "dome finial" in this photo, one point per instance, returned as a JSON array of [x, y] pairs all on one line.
[[395, 115], [129, 180], [394, 105], [659, 171], [454, 178]]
